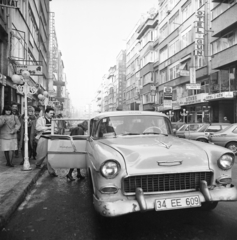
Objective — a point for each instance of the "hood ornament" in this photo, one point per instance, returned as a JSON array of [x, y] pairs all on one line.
[[162, 144]]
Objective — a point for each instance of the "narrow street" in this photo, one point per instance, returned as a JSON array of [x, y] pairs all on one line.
[[62, 210]]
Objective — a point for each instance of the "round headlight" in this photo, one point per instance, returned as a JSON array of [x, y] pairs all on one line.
[[110, 169], [226, 161]]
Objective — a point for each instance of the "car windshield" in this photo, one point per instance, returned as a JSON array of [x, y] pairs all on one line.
[[134, 125], [226, 128], [202, 128], [189, 127]]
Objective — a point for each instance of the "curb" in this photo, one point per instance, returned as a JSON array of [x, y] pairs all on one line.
[[11, 208]]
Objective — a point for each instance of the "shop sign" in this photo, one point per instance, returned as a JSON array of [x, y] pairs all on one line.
[[221, 95], [192, 75], [167, 93], [9, 3], [193, 86], [167, 104], [194, 99], [199, 33], [175, 105], [34, 70]]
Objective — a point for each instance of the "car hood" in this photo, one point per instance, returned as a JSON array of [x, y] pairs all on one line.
[[157, 154]]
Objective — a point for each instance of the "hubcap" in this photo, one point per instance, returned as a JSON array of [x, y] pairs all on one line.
[[233, 148]]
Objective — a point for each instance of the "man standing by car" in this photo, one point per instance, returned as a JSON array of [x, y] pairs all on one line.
[[226, 120], [43, 127]]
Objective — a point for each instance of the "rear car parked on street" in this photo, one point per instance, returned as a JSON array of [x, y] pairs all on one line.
[[186, 128], [135, 164], [204, 131], [226, 138]]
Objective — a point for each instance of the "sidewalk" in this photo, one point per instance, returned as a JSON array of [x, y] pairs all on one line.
[[14, 185]]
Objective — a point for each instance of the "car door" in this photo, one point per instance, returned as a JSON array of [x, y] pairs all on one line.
[[65, 151]]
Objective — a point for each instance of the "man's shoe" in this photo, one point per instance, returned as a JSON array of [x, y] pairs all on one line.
[[69, 177], [80, 176], [53, 175]]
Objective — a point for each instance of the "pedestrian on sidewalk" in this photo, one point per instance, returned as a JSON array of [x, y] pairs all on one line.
[[79, 130], [9, 125], [31, 118], [43, 128], [33, 133], [16, 112]]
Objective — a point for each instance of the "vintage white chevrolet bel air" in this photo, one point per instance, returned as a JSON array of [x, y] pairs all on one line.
[[135, 163]]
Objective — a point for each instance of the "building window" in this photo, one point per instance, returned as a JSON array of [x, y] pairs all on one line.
[[174, 47], [224, 42], [164, 32], [147, 78], [186, 38], [187, 11], [163, 76], [174, 71], [163, 54], [222, 8], [174, 22]]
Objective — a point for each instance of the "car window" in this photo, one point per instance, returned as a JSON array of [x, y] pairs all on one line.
[[194, 127], [213, 129], [133, 125], [182, 128], [235, 130], [202, 128]]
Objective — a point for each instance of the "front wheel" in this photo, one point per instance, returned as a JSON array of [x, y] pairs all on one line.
[[208, 206], [232, 146], [202, 140]]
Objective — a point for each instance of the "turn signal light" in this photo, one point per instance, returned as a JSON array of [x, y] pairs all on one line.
[[109, 190]]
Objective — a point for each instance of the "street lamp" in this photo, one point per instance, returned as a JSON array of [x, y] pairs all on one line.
[[24, 88], [170, 114], [184, 114], [44, 99]]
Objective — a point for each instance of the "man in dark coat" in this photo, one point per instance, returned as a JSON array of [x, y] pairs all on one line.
[[79, 130]]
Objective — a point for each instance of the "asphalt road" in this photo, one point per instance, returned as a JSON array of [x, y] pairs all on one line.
[[62, 210]]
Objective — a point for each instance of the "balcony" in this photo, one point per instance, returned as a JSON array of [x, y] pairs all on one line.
[[224, 58], [226, 20]]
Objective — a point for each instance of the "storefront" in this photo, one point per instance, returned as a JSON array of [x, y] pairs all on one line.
[[195, 108], [222, 105]]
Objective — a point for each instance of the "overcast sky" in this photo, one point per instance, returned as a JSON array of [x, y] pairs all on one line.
[[90, 35]]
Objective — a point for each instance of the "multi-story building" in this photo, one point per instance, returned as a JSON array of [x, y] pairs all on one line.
[[132, 89], [120, 81], [222, 84], [147, 33], [24, 40], [184, 58]]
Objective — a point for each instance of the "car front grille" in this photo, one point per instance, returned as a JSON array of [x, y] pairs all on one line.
[[165, 182]]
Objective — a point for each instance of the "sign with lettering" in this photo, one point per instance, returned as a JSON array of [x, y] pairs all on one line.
[[167, 93], [34, 70], [193, 86], [192, 75], [199, 33], [220, 95], [199, 98], [9, 3], [167, 104]]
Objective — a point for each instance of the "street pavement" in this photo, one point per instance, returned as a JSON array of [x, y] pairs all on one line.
[[14, 185]]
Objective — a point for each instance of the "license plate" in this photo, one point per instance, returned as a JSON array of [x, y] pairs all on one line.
[[176, 203]]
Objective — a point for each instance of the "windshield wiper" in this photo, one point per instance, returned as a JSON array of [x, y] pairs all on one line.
[[124, 134], [155, 133]]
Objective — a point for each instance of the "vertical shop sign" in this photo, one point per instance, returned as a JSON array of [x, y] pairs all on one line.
[[199, 33]]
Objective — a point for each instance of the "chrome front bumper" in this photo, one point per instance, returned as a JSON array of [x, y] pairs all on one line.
[[147, 202]]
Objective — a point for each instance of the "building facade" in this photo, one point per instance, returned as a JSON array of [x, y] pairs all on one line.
[[24, 41]]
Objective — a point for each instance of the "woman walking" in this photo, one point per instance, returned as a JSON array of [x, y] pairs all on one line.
[[9, 125]]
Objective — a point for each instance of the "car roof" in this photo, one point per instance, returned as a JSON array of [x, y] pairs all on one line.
[[129, 113]]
